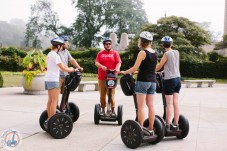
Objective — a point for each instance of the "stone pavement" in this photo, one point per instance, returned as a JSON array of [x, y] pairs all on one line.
[[205, 108]]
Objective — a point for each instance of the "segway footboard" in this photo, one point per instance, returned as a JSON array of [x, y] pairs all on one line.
[[158, 129]]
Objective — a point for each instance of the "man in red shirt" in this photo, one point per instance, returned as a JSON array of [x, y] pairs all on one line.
[[107, 59]]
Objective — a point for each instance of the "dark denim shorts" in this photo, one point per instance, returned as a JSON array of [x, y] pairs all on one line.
[[145, 87], [51, 85], [172, 86]]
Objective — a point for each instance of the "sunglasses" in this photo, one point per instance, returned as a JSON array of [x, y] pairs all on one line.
[[107, 43]]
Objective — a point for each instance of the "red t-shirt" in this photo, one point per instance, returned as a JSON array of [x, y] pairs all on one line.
[[109, 59]]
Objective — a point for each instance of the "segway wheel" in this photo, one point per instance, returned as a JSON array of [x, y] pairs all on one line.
[[119, 114], [43, 117], [97, 113], [131, 134], [74, 111], [184, 126], [60, 125], [158, 129]]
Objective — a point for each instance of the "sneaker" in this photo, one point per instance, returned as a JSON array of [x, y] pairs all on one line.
[[167, 127], [109, 113], [102, 112], [174, 127], [45, 124], [113, 113], [147, 132]]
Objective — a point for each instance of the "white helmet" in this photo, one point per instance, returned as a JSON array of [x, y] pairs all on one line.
[[167, 39], [57, 41], [146, 35]]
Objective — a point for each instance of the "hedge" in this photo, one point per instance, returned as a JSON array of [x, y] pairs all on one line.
[[1, 80], [10, 60], [204, 70]]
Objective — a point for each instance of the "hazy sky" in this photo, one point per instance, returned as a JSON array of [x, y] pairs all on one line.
[[195, 10]]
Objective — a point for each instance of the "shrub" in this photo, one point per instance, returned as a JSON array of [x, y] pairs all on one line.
[[11, 51], [1, 80]]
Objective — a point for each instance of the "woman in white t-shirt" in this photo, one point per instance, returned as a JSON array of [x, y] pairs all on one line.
[[54, 65]]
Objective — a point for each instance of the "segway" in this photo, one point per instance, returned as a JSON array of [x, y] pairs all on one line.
[[60, 125], [183, 123], [110, 83], [132, 134]]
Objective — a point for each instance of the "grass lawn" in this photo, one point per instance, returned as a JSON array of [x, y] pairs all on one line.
[[13, 79]]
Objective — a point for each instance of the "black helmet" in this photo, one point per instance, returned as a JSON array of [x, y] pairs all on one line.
[[106, 39], [65, 38], [57, 41]]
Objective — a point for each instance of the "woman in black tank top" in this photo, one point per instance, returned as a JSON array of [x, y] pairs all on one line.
[[145, 85]]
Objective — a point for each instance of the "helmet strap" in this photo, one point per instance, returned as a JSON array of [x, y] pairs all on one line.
[[59, 48]]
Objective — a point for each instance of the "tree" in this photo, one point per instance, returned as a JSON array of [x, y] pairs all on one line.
[[222, 44], [119, 15], [188, 37], [180, 27], [42, 22], [91, 18], [126, 16]]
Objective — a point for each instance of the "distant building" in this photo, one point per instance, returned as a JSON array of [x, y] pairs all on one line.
[[225, 18]]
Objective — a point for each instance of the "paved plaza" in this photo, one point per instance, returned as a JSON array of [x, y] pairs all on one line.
[[205, 108]]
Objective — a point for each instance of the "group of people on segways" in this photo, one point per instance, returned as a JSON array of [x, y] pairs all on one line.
[[153, 129], [58, 121]]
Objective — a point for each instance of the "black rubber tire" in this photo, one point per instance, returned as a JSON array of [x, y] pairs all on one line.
[[120, 114], [184, 126], [97, 111], [43, 117], [163, 123], [131, 134], [158, 129], [60, 125], [74, 111]]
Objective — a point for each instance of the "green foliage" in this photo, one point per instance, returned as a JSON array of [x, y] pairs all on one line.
[[11, 51], [126, 16], [203, 69], [118, 16], [8, 63], [87, 53], [29, 75], [46, 51], [222, 44], [213, 56], [127, 60], [1, 80], [34, 62], [42, 20], [184, 28]]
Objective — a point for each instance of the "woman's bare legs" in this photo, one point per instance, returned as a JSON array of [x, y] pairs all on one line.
[[169, 108], [151, 111], [141, 107], [176, 108], [52, 102]]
